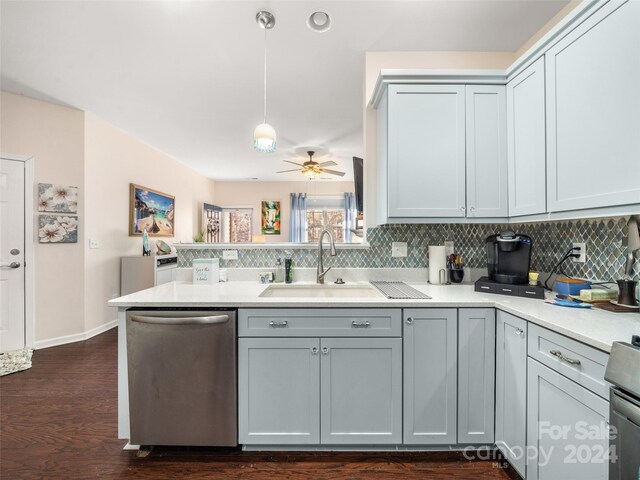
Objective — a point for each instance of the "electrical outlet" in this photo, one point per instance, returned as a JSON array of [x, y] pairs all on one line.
[[230, 254], [399, 249], [93, 243], [448, 247], [582, 252]]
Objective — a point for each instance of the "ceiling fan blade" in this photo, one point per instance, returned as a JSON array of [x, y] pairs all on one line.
[[289, 161], [333, 172], [328, 163], [293, 170]]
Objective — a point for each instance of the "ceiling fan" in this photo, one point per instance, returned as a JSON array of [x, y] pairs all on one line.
[[311, 169]]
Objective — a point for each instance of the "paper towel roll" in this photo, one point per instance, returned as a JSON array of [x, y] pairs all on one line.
[[437, 262]]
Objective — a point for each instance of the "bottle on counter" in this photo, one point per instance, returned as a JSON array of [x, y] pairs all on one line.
[[288, 268], [279, 273]]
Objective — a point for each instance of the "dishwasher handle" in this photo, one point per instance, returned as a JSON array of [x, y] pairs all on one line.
[[208, 320]]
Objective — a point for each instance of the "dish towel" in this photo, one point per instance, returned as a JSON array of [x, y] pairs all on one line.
[[16, 361]]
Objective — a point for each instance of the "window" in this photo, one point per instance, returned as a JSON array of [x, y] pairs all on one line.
[[325, 212], [236, 225]]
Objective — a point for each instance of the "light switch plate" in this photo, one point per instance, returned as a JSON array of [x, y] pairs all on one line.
[[93, 243], [230, 254], [399, 249]]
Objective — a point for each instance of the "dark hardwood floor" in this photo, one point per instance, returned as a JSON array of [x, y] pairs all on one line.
[[58, 420]]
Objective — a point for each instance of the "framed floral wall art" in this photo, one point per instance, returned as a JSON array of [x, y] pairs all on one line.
[[58, 229], [57, 198], [152, 211], [271, 217]]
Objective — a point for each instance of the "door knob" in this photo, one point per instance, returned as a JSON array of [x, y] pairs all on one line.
[[11, 265]]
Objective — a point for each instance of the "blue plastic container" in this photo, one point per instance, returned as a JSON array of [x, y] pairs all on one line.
[[571, 287]]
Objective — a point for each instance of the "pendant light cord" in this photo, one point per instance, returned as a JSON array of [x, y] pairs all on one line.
[[265, 75]]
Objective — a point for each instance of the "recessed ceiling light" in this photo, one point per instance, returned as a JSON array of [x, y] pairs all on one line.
[[319, 22]]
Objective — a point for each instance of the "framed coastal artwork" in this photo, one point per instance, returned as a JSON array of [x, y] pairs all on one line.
[[58, 228], [57, 198], [271, 217], [152, 211]]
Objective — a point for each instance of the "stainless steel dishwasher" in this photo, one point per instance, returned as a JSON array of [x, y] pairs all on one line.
[[182, 377]]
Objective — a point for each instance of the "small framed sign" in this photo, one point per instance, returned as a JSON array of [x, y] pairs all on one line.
[[206, 271]]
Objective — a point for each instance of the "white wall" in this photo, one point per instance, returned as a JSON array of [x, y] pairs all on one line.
[[53, 135], [251, 194], [113, 160]]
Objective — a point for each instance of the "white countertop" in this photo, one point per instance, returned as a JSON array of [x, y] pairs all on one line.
[[594, 327]]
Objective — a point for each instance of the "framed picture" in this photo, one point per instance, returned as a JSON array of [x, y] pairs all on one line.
[[152, 211], [271, 217], [58, 229], [211, 222], [57, 198]]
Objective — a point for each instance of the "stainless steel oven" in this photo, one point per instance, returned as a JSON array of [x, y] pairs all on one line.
[[623, 372]]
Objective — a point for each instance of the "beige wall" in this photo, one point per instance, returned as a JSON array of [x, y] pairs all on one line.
[[53, 135], [251, 194], [113, 159], [73, 283]]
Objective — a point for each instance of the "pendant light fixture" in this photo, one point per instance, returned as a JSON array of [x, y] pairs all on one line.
[[264, 136]]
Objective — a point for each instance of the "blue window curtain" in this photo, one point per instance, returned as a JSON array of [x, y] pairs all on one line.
[[298, 218], [350, 213]]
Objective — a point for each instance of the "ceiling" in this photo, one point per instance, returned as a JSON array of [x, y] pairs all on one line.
[[185, 76]]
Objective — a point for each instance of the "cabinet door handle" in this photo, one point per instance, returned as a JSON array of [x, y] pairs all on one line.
[[520, 332], [355, 324], [409, 321], [325, 350], [279, 324], [462, 209], [314, 351], [570, 361]]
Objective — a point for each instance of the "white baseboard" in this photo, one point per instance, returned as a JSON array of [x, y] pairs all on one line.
[[76, 337]]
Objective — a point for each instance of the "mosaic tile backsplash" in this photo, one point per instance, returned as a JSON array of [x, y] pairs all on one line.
[[605, 240]]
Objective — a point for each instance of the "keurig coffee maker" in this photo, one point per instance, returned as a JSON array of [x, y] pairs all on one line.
[[509, 258], [508, 262]]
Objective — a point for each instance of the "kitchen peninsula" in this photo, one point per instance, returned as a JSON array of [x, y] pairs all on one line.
[[400, 374]]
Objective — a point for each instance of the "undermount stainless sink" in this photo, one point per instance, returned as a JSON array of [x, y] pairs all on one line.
[[320, 291]]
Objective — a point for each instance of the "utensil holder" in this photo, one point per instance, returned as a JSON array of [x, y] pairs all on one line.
[[456, 275]]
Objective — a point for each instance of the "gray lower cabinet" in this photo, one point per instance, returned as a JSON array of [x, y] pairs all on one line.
[[361, 391], [511, 389], [430, 376], [278, 391], [476, 374], [567, 428], [297, 391]]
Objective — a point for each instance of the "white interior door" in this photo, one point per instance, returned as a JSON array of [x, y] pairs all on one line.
[[12, 245]]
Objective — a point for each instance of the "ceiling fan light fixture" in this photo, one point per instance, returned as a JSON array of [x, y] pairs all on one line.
[[264, 138]]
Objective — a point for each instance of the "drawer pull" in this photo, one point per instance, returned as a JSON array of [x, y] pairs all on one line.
[[409, 321], [507, 290], [279, 324], [483, 287], [314, 351], [325, 350], [570, 361], [355, 324]]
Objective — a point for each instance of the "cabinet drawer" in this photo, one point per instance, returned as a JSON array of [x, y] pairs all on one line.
[[319, 322], [579, 362]]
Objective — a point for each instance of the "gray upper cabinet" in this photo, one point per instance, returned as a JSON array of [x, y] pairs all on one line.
[[567, 428], [425, 164], [526, 141], [476, 372], [486, 147], [430, 376], [361, 385], [511, 389], [593, 100], [279, 391]]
